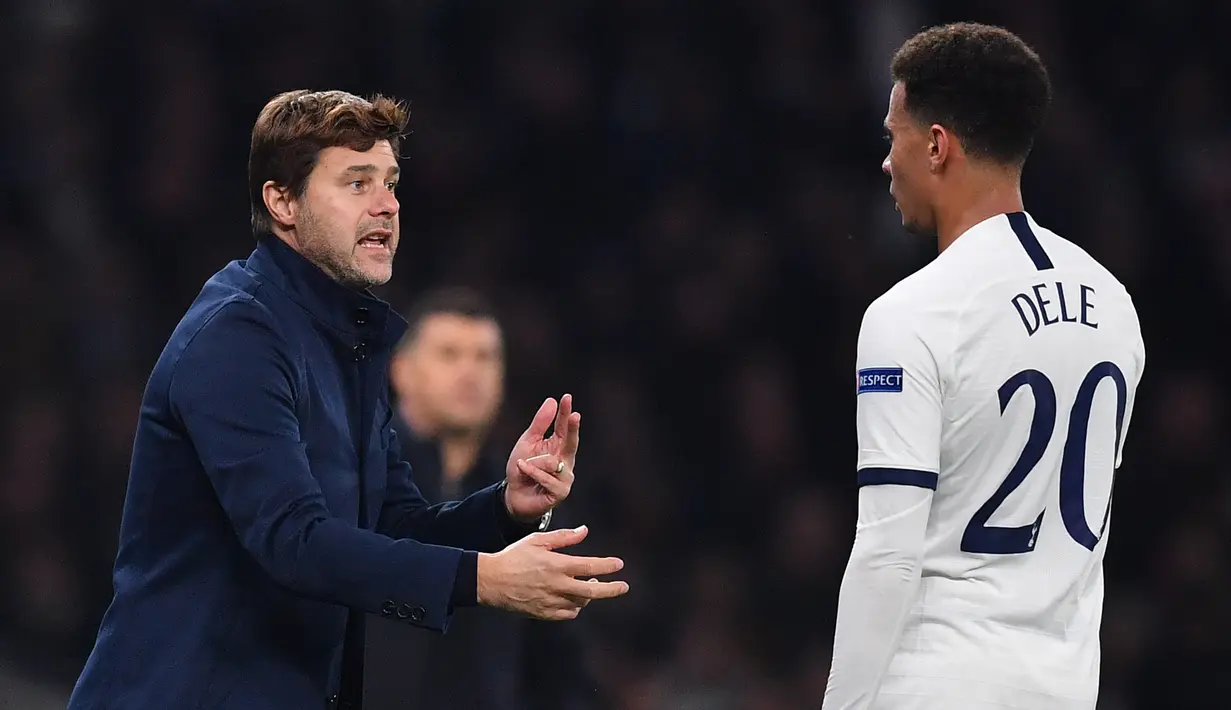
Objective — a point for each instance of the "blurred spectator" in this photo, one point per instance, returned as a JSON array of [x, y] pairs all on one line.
[[447, 375]]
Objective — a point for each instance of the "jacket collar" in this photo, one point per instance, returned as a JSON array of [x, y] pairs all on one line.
[[346, 311]]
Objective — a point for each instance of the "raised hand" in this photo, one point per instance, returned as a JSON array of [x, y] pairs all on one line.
[[540, 468]]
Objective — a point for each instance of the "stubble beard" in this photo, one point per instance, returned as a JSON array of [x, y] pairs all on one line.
[[316, 246]]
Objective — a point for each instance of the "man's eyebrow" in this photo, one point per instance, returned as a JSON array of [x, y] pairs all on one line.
[[370, 169]]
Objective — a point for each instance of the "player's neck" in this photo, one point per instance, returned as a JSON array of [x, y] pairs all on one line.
[[985, 196]]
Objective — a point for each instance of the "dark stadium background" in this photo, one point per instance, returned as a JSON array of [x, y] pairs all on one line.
[[680, 209]]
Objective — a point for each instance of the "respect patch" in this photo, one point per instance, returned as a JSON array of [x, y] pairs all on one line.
[[879, 379]]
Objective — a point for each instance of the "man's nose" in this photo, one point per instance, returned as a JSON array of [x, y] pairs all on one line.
[[386, 204]]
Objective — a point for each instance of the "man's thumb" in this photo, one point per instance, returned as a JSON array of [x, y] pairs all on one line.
[[561, 538]]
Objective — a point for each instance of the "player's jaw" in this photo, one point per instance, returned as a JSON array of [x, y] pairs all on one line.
[[897, 204], [912, 220], [894, 188], [918, 223], [915, 219]]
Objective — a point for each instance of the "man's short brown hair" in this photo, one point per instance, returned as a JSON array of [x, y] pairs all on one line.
[[295, 126]]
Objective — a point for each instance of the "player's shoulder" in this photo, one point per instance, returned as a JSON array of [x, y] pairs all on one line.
[[895, 304], [923, 298], [920, 309], [1069, 255]]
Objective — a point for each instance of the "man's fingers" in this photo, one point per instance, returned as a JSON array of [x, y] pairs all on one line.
[[568, 599], [567, 428], [556, 607], [559, 538], [547, 463], [564, 614], [594, 589], [572, 436], [542, 418], [584, 602], [592, 566], [563, 414], [556, 485], [553, 465]]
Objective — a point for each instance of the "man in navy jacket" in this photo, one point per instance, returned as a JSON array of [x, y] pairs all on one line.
[[268, 506]]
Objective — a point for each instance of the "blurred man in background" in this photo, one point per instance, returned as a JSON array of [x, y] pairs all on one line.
[[447, 375]]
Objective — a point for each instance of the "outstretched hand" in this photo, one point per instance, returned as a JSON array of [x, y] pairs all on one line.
[[532, 577]]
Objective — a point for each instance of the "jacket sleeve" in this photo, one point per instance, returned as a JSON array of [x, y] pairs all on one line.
[[480, 522], [234, 390]]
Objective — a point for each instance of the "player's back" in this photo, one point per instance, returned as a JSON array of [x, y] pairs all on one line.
[[1038, 352]]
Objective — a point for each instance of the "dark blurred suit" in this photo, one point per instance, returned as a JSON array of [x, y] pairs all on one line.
[[489, 659]]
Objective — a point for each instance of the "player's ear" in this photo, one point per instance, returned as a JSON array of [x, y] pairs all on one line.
[[280, 203], [940, 143]]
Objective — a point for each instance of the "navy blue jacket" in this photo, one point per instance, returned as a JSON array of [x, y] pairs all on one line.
[[267, 496]]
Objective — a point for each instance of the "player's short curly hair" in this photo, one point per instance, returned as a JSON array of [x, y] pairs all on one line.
[[981, 82], [295, 126]]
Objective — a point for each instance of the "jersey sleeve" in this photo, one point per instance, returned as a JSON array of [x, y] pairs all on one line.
[[898, 400], [879, 585]]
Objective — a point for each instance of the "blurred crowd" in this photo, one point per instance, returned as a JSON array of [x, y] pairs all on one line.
[[680, 210]]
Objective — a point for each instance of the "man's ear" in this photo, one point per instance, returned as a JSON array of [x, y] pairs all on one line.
[[940, 147], [280, 203]]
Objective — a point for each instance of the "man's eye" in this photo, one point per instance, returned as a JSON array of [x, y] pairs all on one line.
[[392, 186], [356, 184]]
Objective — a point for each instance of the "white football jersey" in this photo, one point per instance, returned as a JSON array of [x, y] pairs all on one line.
[[1002, 375]]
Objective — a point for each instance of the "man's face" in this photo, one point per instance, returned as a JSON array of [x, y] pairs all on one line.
[[453, 372], [348, 215], [907, 165]]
